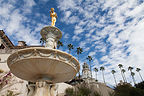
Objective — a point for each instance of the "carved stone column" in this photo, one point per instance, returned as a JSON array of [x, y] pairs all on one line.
[[31, 89], [43, 89], [51, 35], [52, 89]]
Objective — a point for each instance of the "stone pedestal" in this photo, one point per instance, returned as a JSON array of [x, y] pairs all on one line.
[[41, 89], [51, 35], [44, 89]]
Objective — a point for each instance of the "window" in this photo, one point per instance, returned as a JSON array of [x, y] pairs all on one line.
[[2, 46]]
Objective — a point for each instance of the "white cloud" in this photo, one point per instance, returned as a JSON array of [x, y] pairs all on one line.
[[70, 20], [66, 4], [13, 20], [92, 53], [66, 36], [78, 30], [67, 14], [82, 44], [44, 1], [123, 39], [75, 38], [29, 3], [137, 11], [86, 49], [5, 10]]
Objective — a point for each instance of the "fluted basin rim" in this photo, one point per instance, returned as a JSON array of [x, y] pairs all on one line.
[[41, 53]]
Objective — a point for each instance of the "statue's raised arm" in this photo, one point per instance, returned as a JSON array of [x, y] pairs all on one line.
[[53, 16]]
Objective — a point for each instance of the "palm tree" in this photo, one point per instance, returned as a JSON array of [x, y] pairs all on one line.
[[70, 46], [42, 40], [90, 59], [96, 70], [138, 70], [123, 71], [102, 69], [59, 43], [79, 51], [120, 66], [113, 72], [132, 74], [130, 68]]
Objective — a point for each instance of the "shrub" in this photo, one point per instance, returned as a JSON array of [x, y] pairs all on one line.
[[70, 92], [11, 93], [127, 90], [140, 85], [81, 90]]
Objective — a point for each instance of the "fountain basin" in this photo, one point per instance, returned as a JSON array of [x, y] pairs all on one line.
[[43, 64]]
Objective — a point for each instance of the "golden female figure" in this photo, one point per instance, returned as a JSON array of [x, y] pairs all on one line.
[[53, 16]]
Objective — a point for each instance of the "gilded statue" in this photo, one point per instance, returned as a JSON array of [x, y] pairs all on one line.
[[53, 16]]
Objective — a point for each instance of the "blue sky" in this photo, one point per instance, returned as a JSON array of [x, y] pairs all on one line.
[[111, 31]]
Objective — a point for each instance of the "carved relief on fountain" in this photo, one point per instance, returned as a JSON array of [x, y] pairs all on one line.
[[39, 52]]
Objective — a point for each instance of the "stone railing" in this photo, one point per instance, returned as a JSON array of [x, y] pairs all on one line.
[[7, 51]]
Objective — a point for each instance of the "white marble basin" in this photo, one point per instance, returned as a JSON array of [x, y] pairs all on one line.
[[43, 64]]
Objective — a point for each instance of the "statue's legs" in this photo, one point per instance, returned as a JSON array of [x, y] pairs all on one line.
[[53, 21]]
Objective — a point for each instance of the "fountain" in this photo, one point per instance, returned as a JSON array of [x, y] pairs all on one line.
[[44, 65]]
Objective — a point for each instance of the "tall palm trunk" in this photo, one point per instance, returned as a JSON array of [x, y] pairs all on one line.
[[96, 75], [115, 79], [133, 79], [140, 76], [125, 77], [122, 75], [90, 69], [79, 71], [132, 74], [103, 76]]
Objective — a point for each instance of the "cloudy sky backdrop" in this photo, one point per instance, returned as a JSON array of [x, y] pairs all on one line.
[[111, 31]]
